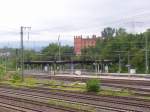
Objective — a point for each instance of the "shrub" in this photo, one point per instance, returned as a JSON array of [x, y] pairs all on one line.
[[2, 72], [16, 77], [93, 85]]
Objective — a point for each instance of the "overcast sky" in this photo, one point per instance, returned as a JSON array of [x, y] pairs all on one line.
[[49, 18]]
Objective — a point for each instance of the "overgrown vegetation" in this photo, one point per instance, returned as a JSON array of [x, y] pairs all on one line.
[[115, 43], [16, 77], [93, 85], [2, 72], [72, 86], [123, 92], [16, 82], [77, 106]]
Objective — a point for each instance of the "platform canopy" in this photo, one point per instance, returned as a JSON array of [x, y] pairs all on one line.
[[69, 62]]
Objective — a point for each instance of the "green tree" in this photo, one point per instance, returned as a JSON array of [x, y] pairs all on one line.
[[108, 32], [52, 52], [131, 48], [120, 32]]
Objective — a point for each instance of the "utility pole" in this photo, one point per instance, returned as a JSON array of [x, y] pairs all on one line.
[[146, 55], [16, 59], [129, 66], [5, 57], [119, 64], [22, 51], [59, 56]]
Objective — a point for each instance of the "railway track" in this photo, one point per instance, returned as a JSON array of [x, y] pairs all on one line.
[[130, 87], [111, 83], [103, 80], [137, 91], [11, 108], [109, 103], [10, 103], [26, 96], [24, 105], [10, 92]]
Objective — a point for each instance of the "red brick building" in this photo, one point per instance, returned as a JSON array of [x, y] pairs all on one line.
[[80, 43]]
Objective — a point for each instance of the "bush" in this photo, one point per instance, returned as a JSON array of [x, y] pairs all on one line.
[[2, 72], [16, 77], [93, 85]]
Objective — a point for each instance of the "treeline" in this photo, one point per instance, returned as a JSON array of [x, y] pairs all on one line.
[[119, 46]]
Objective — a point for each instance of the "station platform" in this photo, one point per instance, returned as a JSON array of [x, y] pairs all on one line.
[[106, 77]]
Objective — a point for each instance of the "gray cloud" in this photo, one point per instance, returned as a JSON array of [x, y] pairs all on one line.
[[72, 17], [93, 14]]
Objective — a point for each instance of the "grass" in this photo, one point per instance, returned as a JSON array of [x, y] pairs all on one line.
[[70, 89], [81, 87], [123, 92], [76, 106], [32, 82], [63, 84], [51, 82], [73, 86], [69, 86], [77, 85], [144, 97], [28, 82]]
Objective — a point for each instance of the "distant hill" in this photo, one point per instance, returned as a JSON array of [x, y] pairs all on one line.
[[36, 45]]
